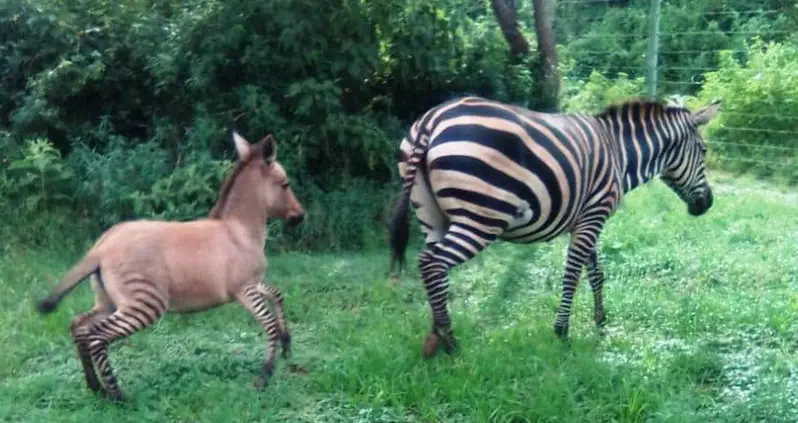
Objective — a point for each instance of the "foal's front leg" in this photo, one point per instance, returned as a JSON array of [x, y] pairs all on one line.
[[254, 301], [276, 298]]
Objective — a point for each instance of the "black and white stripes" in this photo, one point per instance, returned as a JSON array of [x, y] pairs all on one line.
[[478, 170]]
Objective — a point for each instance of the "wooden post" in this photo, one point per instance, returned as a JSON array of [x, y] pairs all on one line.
[[652, 51], [547, 52]]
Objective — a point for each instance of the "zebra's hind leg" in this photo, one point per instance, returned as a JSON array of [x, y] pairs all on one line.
[[596, 277], [583, 243], [459, 244], [275, 297], [254, 301]]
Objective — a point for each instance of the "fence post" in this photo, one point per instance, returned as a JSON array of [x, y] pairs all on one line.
[[652, 52]]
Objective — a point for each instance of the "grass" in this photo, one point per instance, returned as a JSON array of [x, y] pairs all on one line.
[[703, 327]]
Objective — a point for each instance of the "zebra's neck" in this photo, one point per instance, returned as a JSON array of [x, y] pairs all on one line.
[[640, 134]]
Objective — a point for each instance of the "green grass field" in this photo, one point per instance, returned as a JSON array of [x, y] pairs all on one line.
[[703, 326]]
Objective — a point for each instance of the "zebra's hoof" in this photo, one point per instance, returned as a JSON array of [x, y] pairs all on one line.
[[561, 331], [431, 345], [601, 320], [449, 344]]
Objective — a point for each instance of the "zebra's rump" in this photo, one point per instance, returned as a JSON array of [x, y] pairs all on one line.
[[524, 175]]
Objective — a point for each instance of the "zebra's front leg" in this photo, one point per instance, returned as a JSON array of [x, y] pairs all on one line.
[[596, 277], [583, 243], [458, 245]]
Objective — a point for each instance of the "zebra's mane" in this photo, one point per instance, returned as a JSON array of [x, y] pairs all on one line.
[[659, 106]]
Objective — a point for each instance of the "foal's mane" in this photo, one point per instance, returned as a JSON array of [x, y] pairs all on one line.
[[256, 150]]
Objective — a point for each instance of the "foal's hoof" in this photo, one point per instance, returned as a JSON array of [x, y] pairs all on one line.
[[116, 397], [285, 342], [93, 385], [263, 378], [260, 382]]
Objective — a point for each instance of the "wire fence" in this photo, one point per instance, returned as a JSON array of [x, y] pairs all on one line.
[[689, 52]]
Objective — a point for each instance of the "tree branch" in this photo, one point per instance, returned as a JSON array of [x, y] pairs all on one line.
[[547, 50], [508, 22]]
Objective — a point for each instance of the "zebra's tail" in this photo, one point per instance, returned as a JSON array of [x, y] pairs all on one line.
[[399, 229]]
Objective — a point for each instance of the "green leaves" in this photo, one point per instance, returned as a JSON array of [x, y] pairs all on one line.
[[39, 178]]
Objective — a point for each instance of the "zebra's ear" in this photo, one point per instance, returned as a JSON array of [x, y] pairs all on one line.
[[705, 115]]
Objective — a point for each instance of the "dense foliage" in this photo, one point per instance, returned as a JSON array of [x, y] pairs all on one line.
[[112, 111]]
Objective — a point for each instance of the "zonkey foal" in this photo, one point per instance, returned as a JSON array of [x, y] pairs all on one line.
[[142, 269]]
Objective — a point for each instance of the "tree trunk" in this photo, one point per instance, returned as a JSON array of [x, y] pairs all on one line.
[[508, 22], [547, 54]]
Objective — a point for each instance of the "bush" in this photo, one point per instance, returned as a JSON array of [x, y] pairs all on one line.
[[595, 94], [133, 99], [136, 97], [756, 128]]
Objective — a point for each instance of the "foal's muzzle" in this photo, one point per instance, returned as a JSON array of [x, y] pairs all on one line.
[[295, 220]]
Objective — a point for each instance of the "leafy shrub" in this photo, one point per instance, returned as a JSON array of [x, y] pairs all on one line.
[[598, 91], [187, 193], [756, 128], [38, 180], [111, 182]]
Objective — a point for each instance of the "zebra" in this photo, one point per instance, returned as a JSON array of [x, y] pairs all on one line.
[[478, 170]]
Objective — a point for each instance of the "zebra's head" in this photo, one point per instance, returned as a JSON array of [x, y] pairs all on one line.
[[684, 172]]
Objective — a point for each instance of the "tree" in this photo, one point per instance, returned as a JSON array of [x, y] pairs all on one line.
[[506, 16]]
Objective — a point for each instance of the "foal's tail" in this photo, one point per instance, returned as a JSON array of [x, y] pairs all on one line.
[[90, 264]]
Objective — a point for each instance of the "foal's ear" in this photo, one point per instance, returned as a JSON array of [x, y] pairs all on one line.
[[242, 145], [269, 148], [705, 115]]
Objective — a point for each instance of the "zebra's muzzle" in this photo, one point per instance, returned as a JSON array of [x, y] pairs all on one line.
[[700, 204]]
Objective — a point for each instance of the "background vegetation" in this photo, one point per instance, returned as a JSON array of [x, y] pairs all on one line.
[[112, 111]]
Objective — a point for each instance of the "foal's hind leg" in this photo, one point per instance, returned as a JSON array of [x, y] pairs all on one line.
[[276, 298], [79, 330], [140, 312], [80, 327], [254, 301]]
